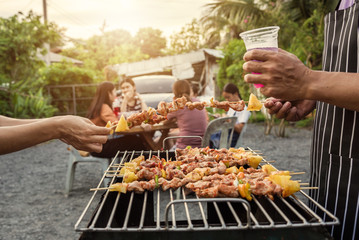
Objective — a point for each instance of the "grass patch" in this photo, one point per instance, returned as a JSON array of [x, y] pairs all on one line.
[[305, 123]]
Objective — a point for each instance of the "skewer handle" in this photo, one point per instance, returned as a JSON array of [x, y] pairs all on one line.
[[296, 173], [95, 189], [308, 188]]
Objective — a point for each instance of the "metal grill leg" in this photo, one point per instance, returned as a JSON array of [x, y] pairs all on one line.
[[105, 164], [70, 174]]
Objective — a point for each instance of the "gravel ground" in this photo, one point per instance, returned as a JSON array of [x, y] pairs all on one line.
[[32, 203]]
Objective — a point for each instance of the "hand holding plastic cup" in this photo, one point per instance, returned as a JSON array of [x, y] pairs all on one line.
[[261, 38]]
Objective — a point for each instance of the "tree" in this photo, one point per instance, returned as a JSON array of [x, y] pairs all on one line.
[[21, 38], [66, 73], [189, 38], [231, 67], [150, 41], [111, 47], [230, 17]]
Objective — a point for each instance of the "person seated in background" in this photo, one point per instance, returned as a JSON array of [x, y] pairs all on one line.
[[130, 101], [231, 93], [190, 122], [100, 112], [195, 90]]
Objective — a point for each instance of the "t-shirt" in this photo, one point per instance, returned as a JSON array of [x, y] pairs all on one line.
[[242, 116], [105, 116], [130, 109], [190, 123]]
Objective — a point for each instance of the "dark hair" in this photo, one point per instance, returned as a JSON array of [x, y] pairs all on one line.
[[195, 89], [182, 88], [231, 88], [128, 80], [101, 97]]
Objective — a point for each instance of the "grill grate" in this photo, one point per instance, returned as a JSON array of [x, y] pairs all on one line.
[[175, 211]]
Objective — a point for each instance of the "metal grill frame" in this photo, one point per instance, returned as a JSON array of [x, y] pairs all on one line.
[[252, 222]]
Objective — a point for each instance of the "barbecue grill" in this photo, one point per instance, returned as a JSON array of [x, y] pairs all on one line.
[[175, 214]]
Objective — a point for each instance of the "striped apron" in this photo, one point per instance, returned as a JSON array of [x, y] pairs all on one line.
[[335, 145]]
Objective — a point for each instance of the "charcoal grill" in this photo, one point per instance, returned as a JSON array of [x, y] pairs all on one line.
[[177, 214]]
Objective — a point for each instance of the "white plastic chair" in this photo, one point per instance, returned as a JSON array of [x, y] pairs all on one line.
[[75, 158], [240, 139], [225, 125]]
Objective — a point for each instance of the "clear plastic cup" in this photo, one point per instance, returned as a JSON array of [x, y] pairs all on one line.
[[261, 38]]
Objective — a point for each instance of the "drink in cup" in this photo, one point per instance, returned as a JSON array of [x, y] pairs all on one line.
[[261, 38]]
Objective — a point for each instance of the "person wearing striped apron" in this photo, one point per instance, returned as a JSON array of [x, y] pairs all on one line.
[[295, 91]]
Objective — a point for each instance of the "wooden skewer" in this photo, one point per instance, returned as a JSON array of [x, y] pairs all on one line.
[[114, 175], [103, 188], [296, 173], [303, 183], [262, 101], [113, 171], [309, 188]]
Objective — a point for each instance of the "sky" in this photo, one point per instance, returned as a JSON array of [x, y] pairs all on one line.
[[84, 18]]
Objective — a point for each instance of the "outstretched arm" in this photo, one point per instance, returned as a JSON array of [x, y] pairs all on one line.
[[17, 134]]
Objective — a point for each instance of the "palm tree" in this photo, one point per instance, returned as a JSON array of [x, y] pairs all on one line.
[[225, 19]]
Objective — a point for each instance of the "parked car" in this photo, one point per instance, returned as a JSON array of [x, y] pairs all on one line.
[[155, 88]]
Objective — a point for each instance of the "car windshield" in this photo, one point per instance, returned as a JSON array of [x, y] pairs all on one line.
[[154, 85]]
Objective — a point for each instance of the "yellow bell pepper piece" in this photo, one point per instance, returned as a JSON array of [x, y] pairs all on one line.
[[244, 191]]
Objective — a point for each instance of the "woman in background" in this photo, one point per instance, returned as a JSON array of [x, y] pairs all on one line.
[[190, 122], [100, 112], [129, 101]]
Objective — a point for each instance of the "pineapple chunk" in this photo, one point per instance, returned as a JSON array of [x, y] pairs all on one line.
[[289, 187], [138, 160], [268, 168], [233, 169], [119, 187], [194, 176], [108, 125], [202, 171], [122, 125], [129, 176], [254, 104], [254, 161]]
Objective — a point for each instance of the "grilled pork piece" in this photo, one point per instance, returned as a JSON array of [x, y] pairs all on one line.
[[210, 192], [149, 173]]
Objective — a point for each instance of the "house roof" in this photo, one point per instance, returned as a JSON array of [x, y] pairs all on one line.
[[160, 64]]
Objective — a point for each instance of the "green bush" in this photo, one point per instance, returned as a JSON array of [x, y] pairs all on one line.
[[257, 117], [21, 87], [305, 123]]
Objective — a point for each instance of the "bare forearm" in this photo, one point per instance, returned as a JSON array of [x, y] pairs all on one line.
[[340, 89], [14, 138], [238, 127], [7, 121], [124, 106]]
